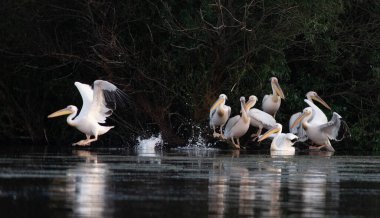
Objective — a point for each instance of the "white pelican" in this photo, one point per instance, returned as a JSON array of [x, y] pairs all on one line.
[[259, 118], [238, 125], [281, 141], [271, 103], [94, 110], [219, 114], [318, 116], [319, 134]]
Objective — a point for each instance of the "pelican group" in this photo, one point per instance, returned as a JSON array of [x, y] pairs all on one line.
[[95, 110], [219, 114], [311, 124], [272, 102]]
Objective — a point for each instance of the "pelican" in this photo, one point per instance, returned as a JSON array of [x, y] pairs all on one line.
[[238, 125], [271, 103], [318, 116], [219, 114], [281, 141], [95, 110], [319, 134], [259, 118]]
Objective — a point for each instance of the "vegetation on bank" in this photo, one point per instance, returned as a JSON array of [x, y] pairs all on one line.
[[174, 58]]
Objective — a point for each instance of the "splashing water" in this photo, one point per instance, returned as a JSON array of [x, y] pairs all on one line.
[[147, 147]]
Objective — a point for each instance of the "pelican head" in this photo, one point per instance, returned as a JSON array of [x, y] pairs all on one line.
[[306, 112], [276, 87], [251, 102], [314, 96], [65, 111], [275, 129], [222, 99]]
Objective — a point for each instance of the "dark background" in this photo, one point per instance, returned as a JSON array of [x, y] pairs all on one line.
[[174, 58]]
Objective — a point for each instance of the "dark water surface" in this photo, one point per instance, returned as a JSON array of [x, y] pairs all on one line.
[[186, 183]]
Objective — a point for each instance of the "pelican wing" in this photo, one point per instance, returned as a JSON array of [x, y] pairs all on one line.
[[230, 124], [331, 128], [266, 119], [286, 140], [100, 109], [229, 111], [212, 112], [318, 115], [265, 98], [293, 118], [298, 129], [87, 96]]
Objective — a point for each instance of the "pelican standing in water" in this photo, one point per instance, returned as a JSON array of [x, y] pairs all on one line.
[[318, 116], [281, 141], [271, 103], [238, 125], [319, 134], [259, 118], [95, 110], [219, 114]]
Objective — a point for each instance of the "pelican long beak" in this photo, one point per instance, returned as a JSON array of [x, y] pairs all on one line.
[[249, 105], [268, 133], [62, 112], [278, 89], [216, 104], [298, 120], [320, 100]]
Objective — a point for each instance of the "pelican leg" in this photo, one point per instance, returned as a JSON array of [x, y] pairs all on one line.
[[257, 134], [91, 140], [215, 134], [221, 131], [236, 146], [327, 146]]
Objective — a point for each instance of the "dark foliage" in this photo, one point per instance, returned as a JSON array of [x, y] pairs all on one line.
[[174, 58]]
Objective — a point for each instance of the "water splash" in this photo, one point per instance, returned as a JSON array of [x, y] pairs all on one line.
[[147, 147]]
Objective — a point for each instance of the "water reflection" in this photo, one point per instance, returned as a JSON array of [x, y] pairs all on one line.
[[316, 182], [188, 184], [233, 187], [272, 188], [86, 186]]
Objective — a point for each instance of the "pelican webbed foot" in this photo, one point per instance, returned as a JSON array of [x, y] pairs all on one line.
[[254, 137], [84, 142], [216, 135], [312, 147]]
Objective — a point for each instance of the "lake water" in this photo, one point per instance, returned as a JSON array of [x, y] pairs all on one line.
[[193, 182]]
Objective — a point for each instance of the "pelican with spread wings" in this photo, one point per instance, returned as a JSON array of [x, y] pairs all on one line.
[[319, 133], [95, 110], [318, 116], [272, 102]]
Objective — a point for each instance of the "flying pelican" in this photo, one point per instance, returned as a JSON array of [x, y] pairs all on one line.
[[259, 118], [319, 134], [95, 110], [271, 103], [318, 116], [281, 141], [219, 114], [238, 125]]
